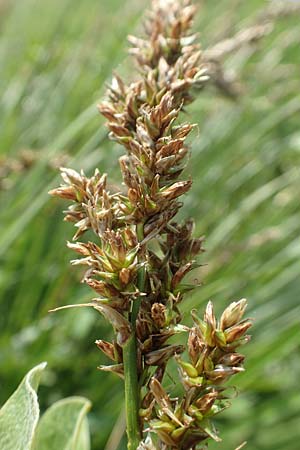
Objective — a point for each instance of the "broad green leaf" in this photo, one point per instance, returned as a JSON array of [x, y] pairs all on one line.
[[20, 414], [64, 426]]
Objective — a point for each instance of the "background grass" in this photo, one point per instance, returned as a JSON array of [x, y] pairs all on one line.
[[55, 57]]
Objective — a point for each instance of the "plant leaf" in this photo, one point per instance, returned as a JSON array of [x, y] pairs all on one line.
[[20, 414], [64, 426]]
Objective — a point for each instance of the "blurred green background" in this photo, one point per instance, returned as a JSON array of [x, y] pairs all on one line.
[[55, 58]]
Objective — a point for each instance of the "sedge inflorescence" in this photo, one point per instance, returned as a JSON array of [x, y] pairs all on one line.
[[137, 262]]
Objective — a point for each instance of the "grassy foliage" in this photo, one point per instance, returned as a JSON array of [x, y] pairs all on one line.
[[55, 58]]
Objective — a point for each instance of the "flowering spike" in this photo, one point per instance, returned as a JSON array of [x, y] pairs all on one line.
[[140, 255]]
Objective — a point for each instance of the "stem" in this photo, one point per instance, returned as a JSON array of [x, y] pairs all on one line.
[[132, 394]]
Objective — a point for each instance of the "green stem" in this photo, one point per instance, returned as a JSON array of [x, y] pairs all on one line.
[[132, 394]]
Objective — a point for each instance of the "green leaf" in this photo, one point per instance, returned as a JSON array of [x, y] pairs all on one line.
[[20, 414], [64, 426]]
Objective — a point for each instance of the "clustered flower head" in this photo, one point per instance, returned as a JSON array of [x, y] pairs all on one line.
[[185, 421], [140, 256]]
